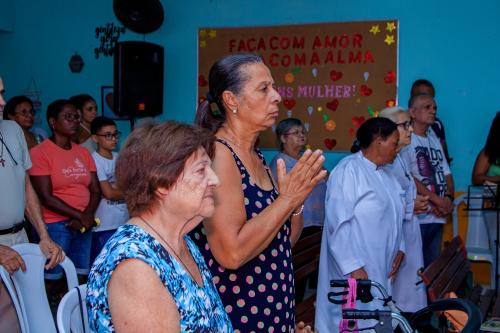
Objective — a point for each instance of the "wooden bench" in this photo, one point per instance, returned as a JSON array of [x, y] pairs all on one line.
[[449, 272], [305, 262]]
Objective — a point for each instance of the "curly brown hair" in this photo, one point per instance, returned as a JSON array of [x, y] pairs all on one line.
[[154, 156]]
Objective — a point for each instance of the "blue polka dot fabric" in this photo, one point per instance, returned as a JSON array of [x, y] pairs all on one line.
[[259, 296]]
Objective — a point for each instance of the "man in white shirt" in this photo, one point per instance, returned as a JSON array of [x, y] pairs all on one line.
[[432, 174], [17, 198]]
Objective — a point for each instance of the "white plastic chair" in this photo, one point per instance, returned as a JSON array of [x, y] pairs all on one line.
[[15, 301], [70, 310], [476, 240], [30, 287]]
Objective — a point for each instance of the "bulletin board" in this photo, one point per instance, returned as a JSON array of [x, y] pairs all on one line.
[[332, 76]]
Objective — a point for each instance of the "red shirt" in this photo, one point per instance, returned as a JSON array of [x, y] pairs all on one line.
[[69, 171]]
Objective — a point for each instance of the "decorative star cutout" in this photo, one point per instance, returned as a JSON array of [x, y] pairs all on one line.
[[212, 33], [389, 39], [375, 29], [391, 26], [203, 43]]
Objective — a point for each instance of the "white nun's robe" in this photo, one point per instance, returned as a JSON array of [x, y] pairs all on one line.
[[363, 228], [409, 297]]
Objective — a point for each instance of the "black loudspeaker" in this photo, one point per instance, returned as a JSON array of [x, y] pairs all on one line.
[[138, 79], [142, 16]]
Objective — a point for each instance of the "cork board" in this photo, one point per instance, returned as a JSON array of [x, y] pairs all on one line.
[[332, 76]]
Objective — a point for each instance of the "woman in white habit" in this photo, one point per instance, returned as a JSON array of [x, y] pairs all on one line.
[[409, 296], [362, 235]]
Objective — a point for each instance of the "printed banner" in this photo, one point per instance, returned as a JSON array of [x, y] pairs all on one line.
[[331, 76]]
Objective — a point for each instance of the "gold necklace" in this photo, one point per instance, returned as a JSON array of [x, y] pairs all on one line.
[[173, 251]]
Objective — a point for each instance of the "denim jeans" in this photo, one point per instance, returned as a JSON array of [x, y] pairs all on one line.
[[76, 246], [432, 236], [99, 239]]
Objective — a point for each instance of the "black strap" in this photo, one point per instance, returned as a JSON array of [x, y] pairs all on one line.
[[80, 306], [16, 228], [259, 154], [7, 148]]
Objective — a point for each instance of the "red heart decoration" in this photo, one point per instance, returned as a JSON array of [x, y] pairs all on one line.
[[357, 121], [333, 105], [109, 100], [330, 143], [202, 82], [352, 132], [365, 91], [390, 77], [289, 103], [335, 76]]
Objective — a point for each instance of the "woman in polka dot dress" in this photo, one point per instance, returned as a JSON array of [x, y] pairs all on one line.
[[247, 243]]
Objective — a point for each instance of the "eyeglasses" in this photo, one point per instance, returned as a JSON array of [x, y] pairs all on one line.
[[303, 132], [406, 124], [71, 116], [25, 113], [111, 136]]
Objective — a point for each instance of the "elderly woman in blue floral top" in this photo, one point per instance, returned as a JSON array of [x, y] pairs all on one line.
[[150, 277]]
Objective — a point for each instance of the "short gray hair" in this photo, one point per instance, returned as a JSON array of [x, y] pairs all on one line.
[[391, 112]]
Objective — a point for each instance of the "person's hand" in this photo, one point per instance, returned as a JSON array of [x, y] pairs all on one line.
[[300, 327], [87, 220], [444, 205], [301, 180], [74, 224], [52, 252], [441, 206], [421, 204], [11, 260], [436, 211], [396, 264], [359, 274]]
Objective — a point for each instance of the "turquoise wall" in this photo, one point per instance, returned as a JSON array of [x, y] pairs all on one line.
[[455, 44]]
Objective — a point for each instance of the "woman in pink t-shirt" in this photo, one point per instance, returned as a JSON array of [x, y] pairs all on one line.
[[64, 177]]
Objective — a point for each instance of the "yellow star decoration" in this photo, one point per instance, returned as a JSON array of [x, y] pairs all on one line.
[[203, 43], [391, 26], [203, 33], [389, 39], [375, 29], [212, 34]]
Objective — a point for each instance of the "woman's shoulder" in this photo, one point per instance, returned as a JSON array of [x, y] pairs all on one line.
[[347, 168], [10, 125], [129, 239], [225, 161], [128, 242], [40, 149], [281, 155], [349, 162]]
